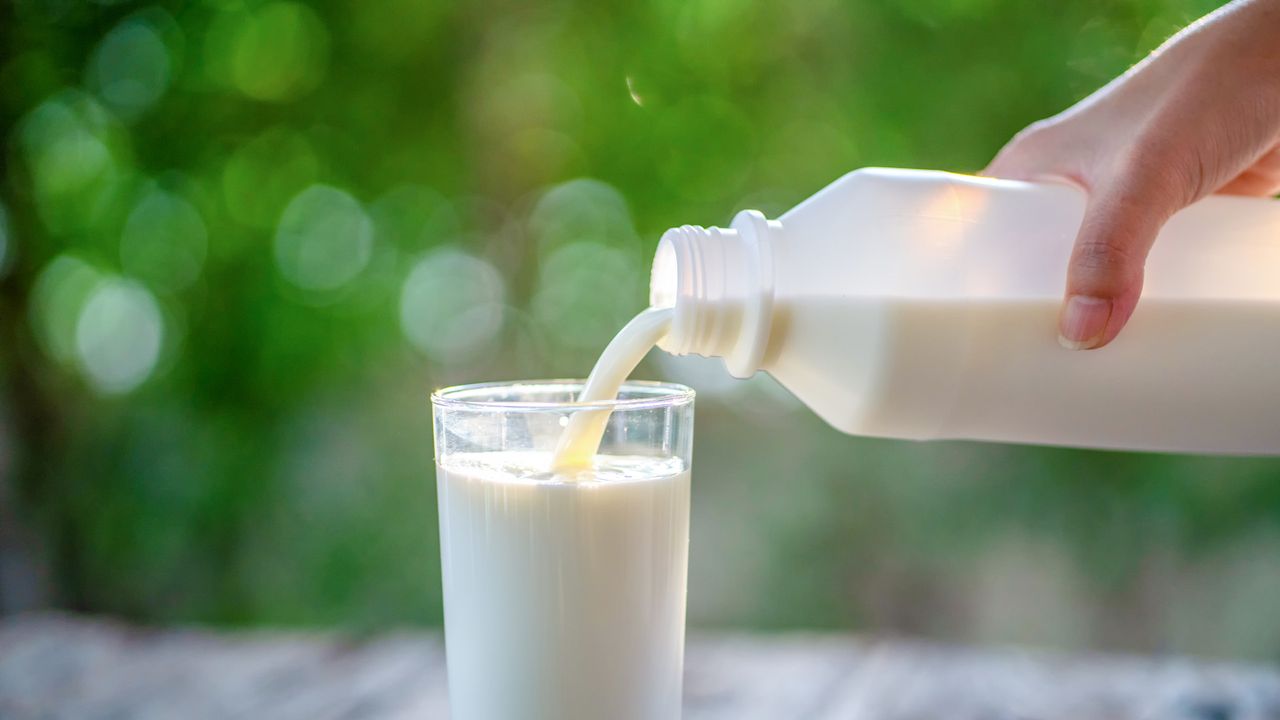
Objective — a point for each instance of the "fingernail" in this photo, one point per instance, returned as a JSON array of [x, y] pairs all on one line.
[[1083, 321]]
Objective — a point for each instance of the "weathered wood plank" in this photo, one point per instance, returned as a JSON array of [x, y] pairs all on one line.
[[54, 667]]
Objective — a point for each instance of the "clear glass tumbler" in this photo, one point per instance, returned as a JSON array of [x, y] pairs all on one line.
[[564, 593]]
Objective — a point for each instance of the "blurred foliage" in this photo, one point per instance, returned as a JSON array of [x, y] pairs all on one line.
[[240, 241]]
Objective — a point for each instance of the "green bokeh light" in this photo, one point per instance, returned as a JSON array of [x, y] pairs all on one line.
[[131, 68], [451, 305], [579, 210], [56, 300], [585, 292], [273, 52], [118, 336], [65, 144], [75, 158], [324, 239], [164, 241]]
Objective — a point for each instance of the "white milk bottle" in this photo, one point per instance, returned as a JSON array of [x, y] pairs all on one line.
[[923, 305]]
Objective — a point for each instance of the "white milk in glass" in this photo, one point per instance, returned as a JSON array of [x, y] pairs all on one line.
[[565, 569], [564, 594]]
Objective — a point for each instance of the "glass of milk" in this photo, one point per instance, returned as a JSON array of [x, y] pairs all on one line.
[[564, 591]]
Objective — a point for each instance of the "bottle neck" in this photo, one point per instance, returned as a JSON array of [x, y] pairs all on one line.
[[719, 283]]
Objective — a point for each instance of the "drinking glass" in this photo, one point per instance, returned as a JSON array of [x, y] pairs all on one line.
[[564, 592]]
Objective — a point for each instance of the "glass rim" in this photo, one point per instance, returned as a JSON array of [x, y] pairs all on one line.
[[456, 397]]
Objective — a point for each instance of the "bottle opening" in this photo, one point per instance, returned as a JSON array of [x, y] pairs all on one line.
[[663, 279]]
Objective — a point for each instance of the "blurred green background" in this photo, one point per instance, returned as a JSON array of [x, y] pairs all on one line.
[[241, 241]]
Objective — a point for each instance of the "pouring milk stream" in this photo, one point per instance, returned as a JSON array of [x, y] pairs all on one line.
[[582, 435]]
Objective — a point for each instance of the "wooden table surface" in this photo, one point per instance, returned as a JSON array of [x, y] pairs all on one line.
[[55, 666]]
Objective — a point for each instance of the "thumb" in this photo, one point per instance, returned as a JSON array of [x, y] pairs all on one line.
[[1104, 279]]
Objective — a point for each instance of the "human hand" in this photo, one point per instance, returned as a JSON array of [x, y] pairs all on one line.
[[1200, 115]]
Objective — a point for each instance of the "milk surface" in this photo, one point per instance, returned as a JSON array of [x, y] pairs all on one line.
[[564, 592]]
